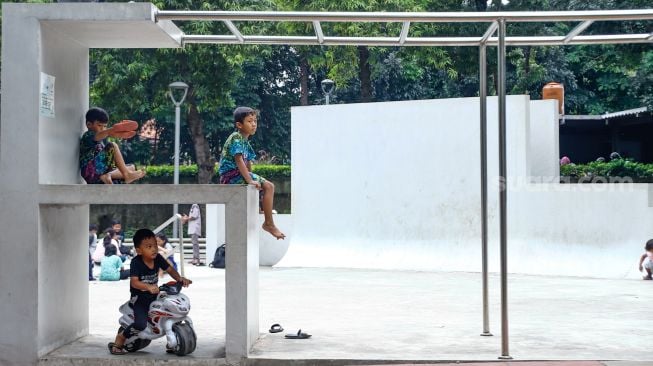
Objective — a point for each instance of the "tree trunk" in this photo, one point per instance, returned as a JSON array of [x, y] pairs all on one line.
[[364, 73], [527, 61], [205, 161], [303, 80]]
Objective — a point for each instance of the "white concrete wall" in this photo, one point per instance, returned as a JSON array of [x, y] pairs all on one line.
[[396, 186], [43, 260]]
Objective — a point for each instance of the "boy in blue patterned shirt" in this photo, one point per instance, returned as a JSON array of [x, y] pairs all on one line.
[[100, 160], [236, 165]]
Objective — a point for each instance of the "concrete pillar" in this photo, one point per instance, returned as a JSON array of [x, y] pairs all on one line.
[[242, 328]]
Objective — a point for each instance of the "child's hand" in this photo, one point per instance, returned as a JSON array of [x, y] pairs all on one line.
[[153, 289], [256, 184], [185, 281]]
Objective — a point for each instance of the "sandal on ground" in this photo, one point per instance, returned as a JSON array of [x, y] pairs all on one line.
[[276, 328], [116, 350], [299, 335]]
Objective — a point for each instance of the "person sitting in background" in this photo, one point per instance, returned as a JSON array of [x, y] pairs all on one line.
[[646, 260], [112, 269], [166, 250]]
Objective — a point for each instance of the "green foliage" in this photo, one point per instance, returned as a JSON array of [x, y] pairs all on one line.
[[163, 173], [639, 172], [133, 83]]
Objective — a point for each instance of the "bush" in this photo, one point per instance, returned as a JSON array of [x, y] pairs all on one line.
[[188, 173], [623, 168]]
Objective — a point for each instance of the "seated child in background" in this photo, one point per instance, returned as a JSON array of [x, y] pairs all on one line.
[[236, 165], [166, 250], [143, 279], [112, 269], [99, 158], [646, 260]]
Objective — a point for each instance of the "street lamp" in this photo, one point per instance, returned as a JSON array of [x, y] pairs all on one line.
[[327, 88], [179, 88]]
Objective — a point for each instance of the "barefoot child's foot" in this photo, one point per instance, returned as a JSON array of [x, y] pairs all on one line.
[[106, 178], [270, 228], [134, 175]]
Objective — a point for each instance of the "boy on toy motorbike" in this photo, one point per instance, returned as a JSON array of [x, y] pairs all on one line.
[[143, 277]]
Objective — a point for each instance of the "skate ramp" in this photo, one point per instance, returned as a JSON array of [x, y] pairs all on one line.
[[396, 185]]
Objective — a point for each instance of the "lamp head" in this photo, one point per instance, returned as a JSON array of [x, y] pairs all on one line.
[[178, 88], [327, 86]]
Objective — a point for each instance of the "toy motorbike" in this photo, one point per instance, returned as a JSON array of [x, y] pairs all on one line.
[[168, 316]]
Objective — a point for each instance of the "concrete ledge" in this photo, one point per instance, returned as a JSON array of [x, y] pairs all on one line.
[[97, 25], [79, 194]]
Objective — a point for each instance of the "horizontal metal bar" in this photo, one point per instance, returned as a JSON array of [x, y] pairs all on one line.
[[434, 17], [490, 31], [419, 41], [234, 30], [650, 38], [404, 32], [578, 30], [318, 32]]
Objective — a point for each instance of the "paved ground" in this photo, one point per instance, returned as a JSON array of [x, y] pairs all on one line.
[[374, 317]]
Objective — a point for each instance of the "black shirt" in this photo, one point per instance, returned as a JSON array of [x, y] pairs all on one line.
[[137, 268]]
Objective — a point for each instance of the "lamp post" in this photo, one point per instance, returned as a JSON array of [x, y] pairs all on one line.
[[327, 88], [181, 89]]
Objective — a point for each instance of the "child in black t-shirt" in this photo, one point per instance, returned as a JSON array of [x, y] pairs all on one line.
[[143, 277]]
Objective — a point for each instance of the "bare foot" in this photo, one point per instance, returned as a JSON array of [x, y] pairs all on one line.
[[106, 178], [270, 228], [648, 277], [134, 175]]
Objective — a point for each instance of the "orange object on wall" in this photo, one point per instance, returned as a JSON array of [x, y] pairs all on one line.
[[555, 91]]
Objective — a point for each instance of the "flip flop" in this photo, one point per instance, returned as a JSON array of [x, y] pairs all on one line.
[[113, 346], [276, 328], [125, 125], [299, 335]]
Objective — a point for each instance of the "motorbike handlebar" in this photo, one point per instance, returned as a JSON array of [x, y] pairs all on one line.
[[172, 287]]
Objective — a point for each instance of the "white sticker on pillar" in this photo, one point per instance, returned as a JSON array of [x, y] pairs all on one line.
[[46, 100]]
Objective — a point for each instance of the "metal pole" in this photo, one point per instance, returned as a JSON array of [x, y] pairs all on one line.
[[501, 86], [482, 58], [181, 246], [327, 99], [175, 207]]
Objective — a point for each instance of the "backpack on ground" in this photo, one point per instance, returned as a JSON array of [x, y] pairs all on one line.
[[219, 257]]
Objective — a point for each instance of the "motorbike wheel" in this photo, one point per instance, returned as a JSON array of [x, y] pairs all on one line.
[[136, 344], [186, 338]]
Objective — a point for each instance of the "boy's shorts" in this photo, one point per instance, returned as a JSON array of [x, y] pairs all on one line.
[[648, 264], [234, 177], [103, 162]]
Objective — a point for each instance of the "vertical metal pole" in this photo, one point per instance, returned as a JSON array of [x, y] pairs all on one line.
[[501, 51], [327, 99], [175, 207], [482, 58], [181, 246]]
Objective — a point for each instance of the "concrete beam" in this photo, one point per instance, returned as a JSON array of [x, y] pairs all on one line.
[[139, 193]]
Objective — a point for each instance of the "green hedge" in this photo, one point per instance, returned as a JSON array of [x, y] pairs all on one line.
[[187, 173], [638, 172]]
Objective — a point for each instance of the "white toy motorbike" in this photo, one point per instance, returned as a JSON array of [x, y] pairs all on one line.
[[168, 316]]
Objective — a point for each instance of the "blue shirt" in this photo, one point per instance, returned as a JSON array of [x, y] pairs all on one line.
[[235, 144]]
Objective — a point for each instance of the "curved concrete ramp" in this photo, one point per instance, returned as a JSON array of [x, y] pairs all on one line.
[[397, 186]]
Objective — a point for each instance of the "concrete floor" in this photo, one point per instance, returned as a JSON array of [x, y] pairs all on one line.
[[375, 317]]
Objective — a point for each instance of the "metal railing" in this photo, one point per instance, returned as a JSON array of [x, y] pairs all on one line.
[[586, 18], [180, 232]]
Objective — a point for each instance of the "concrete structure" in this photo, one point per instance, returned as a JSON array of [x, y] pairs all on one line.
[[406, 194], [271, 250], [44, 292], [369, 317]]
